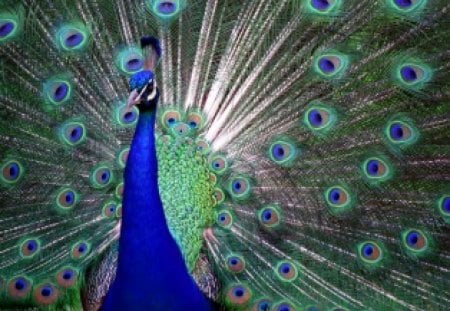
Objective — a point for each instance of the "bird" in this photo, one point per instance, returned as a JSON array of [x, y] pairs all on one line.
[[225, 155]]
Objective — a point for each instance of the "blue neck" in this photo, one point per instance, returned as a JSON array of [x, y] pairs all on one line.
[[151, 273]]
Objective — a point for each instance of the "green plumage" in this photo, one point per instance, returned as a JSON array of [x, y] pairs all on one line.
[[311, 136]]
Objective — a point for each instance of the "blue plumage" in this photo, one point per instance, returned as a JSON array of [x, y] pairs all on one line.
[[151, 269]]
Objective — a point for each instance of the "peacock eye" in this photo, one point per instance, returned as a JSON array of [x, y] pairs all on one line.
[[444, 206], [410, 74], [72, 133], [109, 209], [195, 120], [7, 28], [218, 164], [284, 306], [181, 129], [321, 5], [80, 250], [262, 305], [66, 277], [286, 271], [331, 65], [370, 252], [126, 117], [269, 216], [19, 287], [319, 118], [413, 75], [377, 169], [72, 38], [238, 295], [224, 219], [29, 248], [283, 151], [239, 187], [66, 198], [129, 60], [407, 6], [57, 91], [338, 199], [12, 172], [169, 118], [165, 9], [101, 176], [312, 308], [415, 241], [235, 263], [203, 146], [45, 294]]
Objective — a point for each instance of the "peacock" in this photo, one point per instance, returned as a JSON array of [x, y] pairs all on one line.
[[267, 155]]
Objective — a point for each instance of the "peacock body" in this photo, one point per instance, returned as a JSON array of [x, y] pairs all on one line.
[[296, 157]]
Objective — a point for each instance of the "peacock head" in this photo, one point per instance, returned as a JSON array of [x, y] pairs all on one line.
[[145, 85]]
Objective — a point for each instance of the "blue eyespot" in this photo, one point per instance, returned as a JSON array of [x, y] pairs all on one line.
[[66, 277], [29, 248], [72, 37], [444, 205], [80, 249], [101, 176], [269, 216], [415, 241], [19, 287], [326, 65], [167, 7], [408, 73], [370, 252], [45, 294], [377, 169], [239, 187], [321, 5], [403, 3], [11, 172], [6, 28], [238, 295], [225, 219], [283, 151], [126, 117], [72, 133], [235, 263], [286, 271]]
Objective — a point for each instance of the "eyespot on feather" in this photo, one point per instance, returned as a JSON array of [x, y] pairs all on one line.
[[218, 163], [235, 263], [30, 247], [66, 199], [286, 271], [19, 287], [80, 249], [45, 294], [72, 37], [224, 219], [239, 187], [67, 277], [269, 216], [12, 172], [238, 295], [101, 176], [331, 65], [370, 252]]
